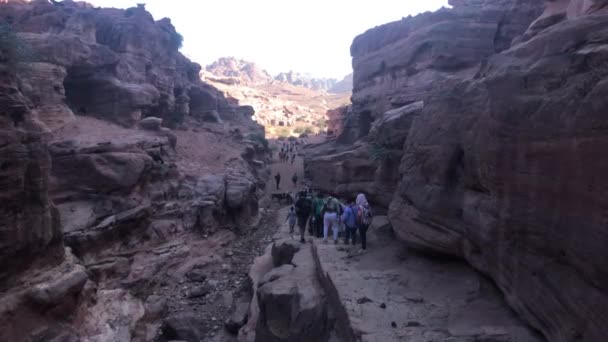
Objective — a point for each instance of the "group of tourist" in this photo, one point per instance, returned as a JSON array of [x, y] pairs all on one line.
[[288, 151], [294, 180], [323, 213]]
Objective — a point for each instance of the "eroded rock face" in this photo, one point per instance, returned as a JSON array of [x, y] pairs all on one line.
[[139, 206], [403, 62], [117, 65], [28, 220]]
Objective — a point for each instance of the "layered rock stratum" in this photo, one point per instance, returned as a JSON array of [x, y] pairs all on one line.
[[285, 105], [124, 177], [479, 129]]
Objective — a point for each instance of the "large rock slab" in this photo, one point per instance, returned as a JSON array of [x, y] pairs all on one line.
[[291, 303]]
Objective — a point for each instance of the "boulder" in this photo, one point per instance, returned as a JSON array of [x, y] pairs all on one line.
[[151, 123], [283, 252], [100, 172], [238, 318], [292, 306], [187, 326], [47, 295]]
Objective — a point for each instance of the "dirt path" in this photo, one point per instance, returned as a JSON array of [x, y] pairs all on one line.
[[287, 170]]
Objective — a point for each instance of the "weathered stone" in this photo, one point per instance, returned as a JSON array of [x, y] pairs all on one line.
[[238, 318], [54, 293], [283, 252], [186, 326], [291, 302], [28, 221], [199, 291], [392, 128], [197, 275], [151, 123]]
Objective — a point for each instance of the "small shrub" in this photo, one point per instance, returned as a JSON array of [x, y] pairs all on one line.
[[259, 138], [177, 40], [283, 132], [322, 125], [380, 152], [12, 49]]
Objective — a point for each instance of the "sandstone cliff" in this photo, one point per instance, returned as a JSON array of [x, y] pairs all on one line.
[[499, 147], [105, 210]]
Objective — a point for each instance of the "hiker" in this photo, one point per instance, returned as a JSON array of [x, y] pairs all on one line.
[[294, 179], [364, 218], [291, 218], [277, 179], [331, 218], [349, 217], [317, 218], [303, 209], [293, 158]]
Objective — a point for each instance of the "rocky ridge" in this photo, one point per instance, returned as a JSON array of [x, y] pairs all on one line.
[[112, 215], [478, 129]]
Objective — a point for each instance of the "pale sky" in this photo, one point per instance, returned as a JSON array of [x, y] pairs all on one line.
[[307, 36]]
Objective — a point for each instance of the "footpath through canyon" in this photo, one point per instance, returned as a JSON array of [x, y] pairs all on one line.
[[136, 188]]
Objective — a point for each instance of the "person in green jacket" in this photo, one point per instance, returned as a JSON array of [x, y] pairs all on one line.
[[317, 204]]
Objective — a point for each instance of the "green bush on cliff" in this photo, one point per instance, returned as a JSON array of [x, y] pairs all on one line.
[[379, 152], [12, 49], [177, 40], [283, 132]]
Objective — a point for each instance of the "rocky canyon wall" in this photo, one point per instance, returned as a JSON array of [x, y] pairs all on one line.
[[28, 220], [500, 147], [121, 172]]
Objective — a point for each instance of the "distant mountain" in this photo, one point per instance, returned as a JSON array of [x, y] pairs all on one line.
[[344, 86], [239, 71], [306, 81], [230, 70]]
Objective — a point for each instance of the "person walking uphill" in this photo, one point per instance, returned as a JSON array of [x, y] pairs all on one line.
[[294, 179], [331, 218], [317, 203], [303, 210], [291, 217], [277, 179], [364, 218], [349, 217]]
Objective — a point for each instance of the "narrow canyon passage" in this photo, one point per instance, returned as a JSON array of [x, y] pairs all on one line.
[[138, 198], [317, 292]]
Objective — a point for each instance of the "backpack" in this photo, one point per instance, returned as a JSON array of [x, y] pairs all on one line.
[[364, 215], [332, 205]]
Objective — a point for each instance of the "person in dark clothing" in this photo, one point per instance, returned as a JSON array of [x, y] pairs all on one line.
[[303, 210], [294, 179], [277, 179], [364, 219]]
